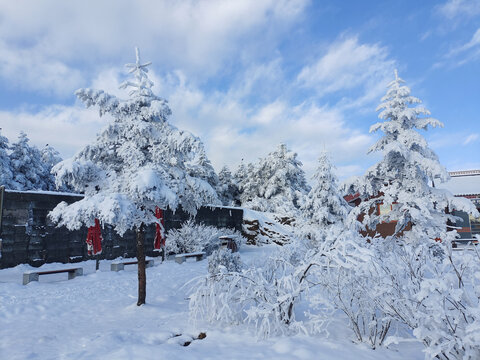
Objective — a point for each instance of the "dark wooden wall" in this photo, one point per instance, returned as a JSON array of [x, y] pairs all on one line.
[[28, 235]]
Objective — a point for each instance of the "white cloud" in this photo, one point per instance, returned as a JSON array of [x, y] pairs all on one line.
[[459, 8], [471, 139], [233, 132], [462, 54], [270, 113], [349, 64], [473, 44], [66, 128], [31, 70], [231, 129], [45, 40]]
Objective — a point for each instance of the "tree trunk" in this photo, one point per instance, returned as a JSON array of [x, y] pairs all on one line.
[[142, 278]]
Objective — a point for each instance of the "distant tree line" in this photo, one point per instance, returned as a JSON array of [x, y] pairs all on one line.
[[25, 167]]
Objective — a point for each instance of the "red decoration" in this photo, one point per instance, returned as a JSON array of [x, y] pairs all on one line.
[[159, 242], [94, 239]]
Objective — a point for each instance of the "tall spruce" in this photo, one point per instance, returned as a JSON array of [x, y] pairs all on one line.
[[401, 181], [324, 205], [227, 189], [138, 162], [50, 157]]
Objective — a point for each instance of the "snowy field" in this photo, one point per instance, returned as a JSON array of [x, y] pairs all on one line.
[[95, 317]]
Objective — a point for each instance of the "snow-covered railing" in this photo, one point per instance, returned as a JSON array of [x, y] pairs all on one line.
[[464, 173]]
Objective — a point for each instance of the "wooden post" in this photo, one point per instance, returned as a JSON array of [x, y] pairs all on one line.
[[142, 278]]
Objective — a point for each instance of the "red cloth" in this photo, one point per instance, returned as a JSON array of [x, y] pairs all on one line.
[[94, 239], [159, 241]]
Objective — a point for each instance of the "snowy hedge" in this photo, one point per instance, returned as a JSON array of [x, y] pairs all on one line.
[[192, 237]]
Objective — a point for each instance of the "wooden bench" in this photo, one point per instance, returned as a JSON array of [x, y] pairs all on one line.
[[180, 258], [33, 275], [119, 265]]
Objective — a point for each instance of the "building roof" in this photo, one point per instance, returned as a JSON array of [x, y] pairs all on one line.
[[462, 183]]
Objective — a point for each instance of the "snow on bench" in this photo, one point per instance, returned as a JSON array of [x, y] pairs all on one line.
[[119, 265], [33, 275], [180, 258]]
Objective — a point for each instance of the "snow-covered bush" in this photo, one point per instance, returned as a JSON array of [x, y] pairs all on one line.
[[449, 318], [438, 298], [224, 260], [264, 296], [192, 237], [342, 271]]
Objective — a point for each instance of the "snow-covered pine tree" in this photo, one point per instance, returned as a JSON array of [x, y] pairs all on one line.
[[201, 167], [247, 181], [50, 158], [401, 181], [324, 204], [409, 269], [29, 172], [6, 174], [240, 174], [276, 184], [227, 189], [136, 164]]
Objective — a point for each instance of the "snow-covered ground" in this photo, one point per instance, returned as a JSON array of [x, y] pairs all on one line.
[[95, 317]]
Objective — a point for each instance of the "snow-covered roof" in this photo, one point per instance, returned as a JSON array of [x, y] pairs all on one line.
[[463, 183], [45, 192]]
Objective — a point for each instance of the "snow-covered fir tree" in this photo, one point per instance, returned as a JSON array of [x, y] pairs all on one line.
[[413, 274], [200, 166], [240, 174], [401, 181], [50, 158], [6, 174], [227, 189], [324, 205], [247, 181], [138, 162], [29, 171], [276, 184]]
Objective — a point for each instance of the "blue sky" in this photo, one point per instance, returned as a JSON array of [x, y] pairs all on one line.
[[247, 75]]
